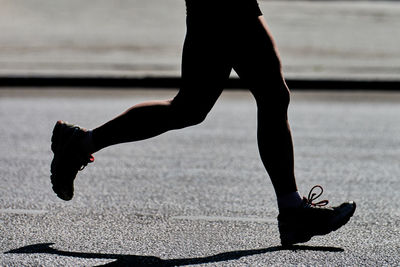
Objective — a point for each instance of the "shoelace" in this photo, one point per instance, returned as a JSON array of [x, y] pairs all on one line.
[[313, 196], [86, 162]]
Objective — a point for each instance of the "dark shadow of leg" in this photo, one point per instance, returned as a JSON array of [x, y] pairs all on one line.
[[135, 260]]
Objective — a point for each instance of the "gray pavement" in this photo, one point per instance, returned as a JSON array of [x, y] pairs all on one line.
[[197, 196], [136, 38]]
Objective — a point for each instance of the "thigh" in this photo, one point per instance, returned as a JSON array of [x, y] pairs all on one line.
[[258, 64], [205, 67]]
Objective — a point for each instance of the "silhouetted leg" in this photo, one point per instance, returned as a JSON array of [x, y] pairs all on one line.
[[203, 74], [258, 65]]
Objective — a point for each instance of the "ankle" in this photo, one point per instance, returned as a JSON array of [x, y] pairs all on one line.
[[87, 142], [290, 200]]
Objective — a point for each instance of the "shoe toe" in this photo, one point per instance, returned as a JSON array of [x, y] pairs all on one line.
[[63, 194], [348, 207]]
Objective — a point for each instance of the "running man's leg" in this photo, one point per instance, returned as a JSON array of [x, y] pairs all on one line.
[[299, 219], [204, 72], [258, 64]]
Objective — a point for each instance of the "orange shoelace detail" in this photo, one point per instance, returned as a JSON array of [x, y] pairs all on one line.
[[313, 196], [89, 160]]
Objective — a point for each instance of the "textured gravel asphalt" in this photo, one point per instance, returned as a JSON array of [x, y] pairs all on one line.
[[197, 196]]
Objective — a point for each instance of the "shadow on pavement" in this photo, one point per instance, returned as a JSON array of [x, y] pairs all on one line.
[[135, 260]]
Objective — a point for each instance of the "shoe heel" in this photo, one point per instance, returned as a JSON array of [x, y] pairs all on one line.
[[56, 136], [290, 236]]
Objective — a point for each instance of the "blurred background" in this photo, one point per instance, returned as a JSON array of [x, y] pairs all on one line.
[[140, 38]]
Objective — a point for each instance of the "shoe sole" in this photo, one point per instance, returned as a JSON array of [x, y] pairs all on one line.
[[295, 237], [57, 148]]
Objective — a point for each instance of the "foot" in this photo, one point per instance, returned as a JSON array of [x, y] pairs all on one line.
[[298, 225], [69, 158]]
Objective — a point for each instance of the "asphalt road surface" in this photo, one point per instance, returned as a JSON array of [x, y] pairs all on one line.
[[199, 196]]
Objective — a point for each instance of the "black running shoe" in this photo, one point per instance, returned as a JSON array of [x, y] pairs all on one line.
[[69, 158], [298, 225]]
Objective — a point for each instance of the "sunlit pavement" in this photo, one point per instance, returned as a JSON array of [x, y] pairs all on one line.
[[199, 195]]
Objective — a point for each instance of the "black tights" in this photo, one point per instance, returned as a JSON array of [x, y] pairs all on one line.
[[212, 48]]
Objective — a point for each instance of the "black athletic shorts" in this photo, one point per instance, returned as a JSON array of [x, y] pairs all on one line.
[[226, 8]]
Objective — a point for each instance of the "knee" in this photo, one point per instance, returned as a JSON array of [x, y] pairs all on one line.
[[276, 99], [192, 117], [284, 97], [187, 115]]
